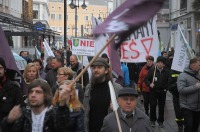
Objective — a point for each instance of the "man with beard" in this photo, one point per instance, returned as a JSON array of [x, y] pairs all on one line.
[[97, 95], [10, 94], [41, 116], [77, 67]]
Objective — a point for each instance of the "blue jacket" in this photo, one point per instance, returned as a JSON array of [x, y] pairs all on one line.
[[126, 75]]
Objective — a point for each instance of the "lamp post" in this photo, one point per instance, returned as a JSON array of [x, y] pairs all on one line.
[[103, 16], [73, 5]]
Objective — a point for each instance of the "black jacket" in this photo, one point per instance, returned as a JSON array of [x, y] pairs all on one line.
[[160, 80], [51, 77], [55, 120], [76, 122], [10, 95]]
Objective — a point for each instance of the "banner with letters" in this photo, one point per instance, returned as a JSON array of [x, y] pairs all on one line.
[[180, 60], [85, 47], [141, 43]]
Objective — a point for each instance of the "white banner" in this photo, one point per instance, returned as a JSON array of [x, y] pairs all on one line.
[[82, 46], [180, 60], [47, 51], [142, 42]]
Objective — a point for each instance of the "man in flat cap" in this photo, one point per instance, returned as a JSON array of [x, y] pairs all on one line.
[[97, 95], [131, 118]]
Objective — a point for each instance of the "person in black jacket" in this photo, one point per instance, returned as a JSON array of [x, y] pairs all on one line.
[[10, 93], [76, 113], [174, 91], [77, 68], [157, 80], [40, 116]]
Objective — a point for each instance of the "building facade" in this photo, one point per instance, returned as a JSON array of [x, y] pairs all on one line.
[[98, 9], [182, 14]]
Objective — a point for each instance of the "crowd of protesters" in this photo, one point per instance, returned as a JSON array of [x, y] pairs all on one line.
[[48, 103]]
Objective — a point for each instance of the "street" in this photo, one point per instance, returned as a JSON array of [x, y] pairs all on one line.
[[169, 123]]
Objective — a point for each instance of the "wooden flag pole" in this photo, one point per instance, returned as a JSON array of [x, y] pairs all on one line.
[[93, 59]]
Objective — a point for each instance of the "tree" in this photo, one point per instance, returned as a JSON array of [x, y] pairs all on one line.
[[196, 5]]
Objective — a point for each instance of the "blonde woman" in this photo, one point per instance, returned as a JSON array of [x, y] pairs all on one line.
[[30, 74], [65, 73], [76, 121]]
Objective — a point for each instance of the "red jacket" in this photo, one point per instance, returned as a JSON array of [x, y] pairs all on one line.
[[143, 73]]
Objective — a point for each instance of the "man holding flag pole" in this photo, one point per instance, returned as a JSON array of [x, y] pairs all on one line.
[[127, 18]]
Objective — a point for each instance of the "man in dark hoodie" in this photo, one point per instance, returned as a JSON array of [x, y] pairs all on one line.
[[10, 93]]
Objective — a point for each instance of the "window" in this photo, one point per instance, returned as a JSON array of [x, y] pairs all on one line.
[[53, 16], [1, 2], [59, 29], [183, 4], [59, 8], [35, 14], [52, 7], [59, 16], [86, 18]]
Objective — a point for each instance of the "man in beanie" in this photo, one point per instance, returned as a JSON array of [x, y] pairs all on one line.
[[131, 118], [10, 93], [97, 95], [157, 79]]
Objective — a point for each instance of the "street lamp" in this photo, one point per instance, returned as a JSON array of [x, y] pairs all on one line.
[[73, 5], [103, 16]]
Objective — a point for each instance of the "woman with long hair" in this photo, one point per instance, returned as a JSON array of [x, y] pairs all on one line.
[[76, 115]]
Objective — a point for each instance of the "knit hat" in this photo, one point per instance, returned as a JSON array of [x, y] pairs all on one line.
[[2, 62], [161, 59], [104, 55], [100, 62]]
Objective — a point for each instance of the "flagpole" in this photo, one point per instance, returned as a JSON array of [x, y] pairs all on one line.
[[114, 104], [93, 59]]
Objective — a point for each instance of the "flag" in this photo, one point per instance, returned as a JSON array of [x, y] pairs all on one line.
[[113, 96], [189, 51], [37, 53], [110, 51], [12, 71], [128, 17]]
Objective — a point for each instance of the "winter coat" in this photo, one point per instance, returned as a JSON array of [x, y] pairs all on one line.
[[189, 93], [55, 120], [86, 101], [141, 84], [161, 79], [51, 77], [10, 95], [76, 121], [141, 123], [85, 75]]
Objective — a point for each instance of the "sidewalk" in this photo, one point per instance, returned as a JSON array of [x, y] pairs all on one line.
[[169, 123]]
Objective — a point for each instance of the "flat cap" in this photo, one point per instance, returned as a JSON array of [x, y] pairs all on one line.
[[100, 62], [127, 91]]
